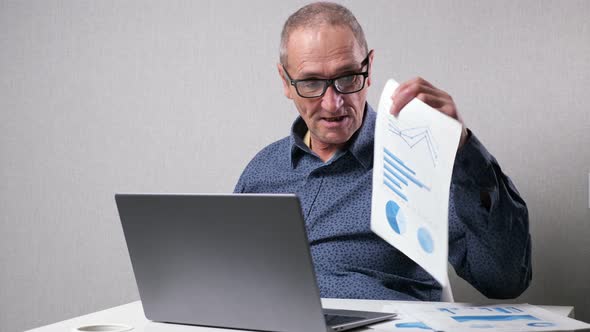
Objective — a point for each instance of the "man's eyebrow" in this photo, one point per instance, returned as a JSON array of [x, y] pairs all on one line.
[[351, 67], [310, 75], [345, 69]]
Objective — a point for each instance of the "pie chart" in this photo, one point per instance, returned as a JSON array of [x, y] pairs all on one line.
[[425, 240], [395, 217]]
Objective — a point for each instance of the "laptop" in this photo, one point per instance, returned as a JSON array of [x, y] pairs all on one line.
[[233, 261]]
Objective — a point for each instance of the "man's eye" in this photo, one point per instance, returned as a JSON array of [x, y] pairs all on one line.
[[347, 79], [311, 84]]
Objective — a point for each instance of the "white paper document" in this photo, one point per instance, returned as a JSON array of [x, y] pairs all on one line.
[[413, 163], [468, 318], [404, 322]]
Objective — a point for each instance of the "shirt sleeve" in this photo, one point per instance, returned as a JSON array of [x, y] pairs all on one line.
[[489, 241], [240, 187]]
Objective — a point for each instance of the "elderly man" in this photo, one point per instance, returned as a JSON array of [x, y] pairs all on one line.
[[325, 67]]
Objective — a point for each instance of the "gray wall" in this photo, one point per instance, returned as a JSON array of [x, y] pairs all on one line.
[[98, 97]]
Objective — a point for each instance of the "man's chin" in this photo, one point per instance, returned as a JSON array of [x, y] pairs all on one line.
[[335, 139]]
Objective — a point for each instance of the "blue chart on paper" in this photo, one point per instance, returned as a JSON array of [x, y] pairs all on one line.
[[414, 135], [541, 324], [398, 176], [504, 310], [413, 325], [425, 240], [395, 217], [503, 318]]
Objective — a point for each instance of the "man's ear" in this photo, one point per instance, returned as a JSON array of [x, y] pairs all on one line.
[[286, 84], [371, 54]]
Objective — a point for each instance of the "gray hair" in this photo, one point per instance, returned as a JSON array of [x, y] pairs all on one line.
[[316, 14]]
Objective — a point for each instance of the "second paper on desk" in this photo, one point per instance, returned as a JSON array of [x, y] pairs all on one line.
[[413, 163]]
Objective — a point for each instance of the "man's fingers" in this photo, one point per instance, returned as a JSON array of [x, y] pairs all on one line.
[[417, 88], [402, 98], [432, 101], [417, 81], [424, 82], [421, 89]]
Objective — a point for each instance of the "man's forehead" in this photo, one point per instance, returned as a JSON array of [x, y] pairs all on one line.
[[329, 47]]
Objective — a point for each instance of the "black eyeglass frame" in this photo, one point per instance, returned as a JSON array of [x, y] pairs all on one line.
[[332, 81]]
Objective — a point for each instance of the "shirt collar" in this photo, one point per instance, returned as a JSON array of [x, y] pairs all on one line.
[[361, 143]]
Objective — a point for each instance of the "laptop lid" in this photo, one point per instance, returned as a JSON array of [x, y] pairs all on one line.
[[238, 260]]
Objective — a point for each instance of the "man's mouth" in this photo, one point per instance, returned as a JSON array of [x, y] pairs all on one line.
[[335, 118]]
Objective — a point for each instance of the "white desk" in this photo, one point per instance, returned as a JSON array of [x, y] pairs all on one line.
[[132, 314]]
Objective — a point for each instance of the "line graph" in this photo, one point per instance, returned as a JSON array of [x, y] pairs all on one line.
[[414, 135]]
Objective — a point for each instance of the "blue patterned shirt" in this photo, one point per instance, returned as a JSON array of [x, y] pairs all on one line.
[[489, 241]]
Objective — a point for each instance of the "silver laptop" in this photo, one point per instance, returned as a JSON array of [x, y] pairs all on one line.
[[234, 261]]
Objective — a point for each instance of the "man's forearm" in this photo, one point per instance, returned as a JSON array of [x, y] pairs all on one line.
[[489, 241]]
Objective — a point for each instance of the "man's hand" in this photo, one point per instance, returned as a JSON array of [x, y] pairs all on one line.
[[432, 96]]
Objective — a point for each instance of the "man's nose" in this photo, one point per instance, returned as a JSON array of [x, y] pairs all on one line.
[[332, 100]]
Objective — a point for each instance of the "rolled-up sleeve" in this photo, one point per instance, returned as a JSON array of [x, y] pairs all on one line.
[[489, 240]]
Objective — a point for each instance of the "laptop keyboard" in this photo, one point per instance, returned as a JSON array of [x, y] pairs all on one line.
[[333, 320]]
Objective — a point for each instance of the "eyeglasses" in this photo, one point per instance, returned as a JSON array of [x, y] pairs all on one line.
[[345, 84]]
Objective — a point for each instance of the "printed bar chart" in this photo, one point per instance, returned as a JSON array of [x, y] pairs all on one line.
[[397, 173]]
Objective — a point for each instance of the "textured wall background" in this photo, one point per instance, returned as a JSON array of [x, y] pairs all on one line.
[[98, 97]]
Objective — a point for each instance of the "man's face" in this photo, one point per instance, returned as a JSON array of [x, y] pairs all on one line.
[[327, 52]]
